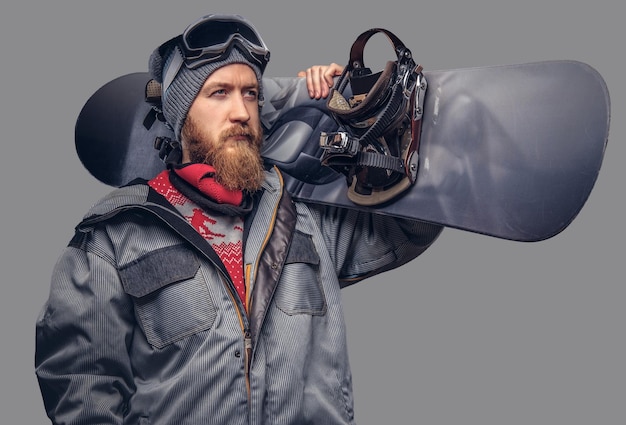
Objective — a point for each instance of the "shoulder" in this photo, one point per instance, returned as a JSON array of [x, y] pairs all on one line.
[[136, 193], [135, 209]]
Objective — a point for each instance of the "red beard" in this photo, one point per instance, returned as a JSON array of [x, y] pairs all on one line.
[[238, 163]]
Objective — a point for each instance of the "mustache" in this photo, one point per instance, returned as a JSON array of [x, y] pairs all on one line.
[[238, 131]]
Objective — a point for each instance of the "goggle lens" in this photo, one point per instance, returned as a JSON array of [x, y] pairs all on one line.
[[213, 35], [216, 33]]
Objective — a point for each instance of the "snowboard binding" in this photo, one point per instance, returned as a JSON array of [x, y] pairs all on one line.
[[377, 150]]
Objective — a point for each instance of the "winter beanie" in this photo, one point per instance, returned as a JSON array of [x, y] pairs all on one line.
[[178, 97]]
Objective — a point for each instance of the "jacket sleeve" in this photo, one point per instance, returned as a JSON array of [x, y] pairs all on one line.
[[363, 244], [82, 339]]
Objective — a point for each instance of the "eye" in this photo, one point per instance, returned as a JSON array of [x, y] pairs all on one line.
[[219, 92], [251, 95]]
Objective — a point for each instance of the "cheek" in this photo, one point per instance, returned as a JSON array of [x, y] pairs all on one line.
[[203, 123], [255, 116]]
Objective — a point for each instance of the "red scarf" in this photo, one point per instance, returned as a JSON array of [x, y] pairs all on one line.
[[202, 177]]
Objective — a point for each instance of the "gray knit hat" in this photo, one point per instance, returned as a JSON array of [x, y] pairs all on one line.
[[186, 84]]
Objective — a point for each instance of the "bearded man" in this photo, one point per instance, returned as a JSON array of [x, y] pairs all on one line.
[[206, 295]]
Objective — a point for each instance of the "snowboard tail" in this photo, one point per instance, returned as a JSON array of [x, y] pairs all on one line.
[[510, 151]]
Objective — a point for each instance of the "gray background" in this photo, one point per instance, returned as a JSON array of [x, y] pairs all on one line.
[[476, 331]]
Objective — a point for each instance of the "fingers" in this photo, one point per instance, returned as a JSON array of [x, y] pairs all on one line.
[[320, 78]]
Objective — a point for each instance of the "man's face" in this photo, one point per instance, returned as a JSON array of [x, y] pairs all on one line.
[[223, 128]]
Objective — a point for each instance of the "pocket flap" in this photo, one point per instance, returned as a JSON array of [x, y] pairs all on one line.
[[302, 250], [158, 269]]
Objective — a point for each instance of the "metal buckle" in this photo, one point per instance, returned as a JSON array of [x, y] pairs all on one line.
[[339, 142], [420, 93]]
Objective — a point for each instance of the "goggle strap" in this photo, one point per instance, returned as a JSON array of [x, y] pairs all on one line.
[[172, 69]]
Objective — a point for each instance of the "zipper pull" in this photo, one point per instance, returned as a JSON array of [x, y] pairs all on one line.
[[247, 343]]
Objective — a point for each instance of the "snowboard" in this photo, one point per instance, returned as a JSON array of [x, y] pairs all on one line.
[[507, 151]]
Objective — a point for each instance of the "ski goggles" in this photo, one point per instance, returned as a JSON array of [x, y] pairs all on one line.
[[211, 39]]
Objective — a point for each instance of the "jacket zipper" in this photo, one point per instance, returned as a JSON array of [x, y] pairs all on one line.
[[247, 341]]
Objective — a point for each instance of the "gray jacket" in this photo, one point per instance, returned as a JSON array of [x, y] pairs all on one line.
[[142, 325]]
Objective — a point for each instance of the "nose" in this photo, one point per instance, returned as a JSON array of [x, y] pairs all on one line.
[[239, 109]]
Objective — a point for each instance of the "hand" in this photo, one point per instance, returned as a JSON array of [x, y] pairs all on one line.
[[319, 79]]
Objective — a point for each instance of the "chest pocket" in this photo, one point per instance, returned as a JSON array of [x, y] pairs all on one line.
[[171, 297], [300, 290]]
